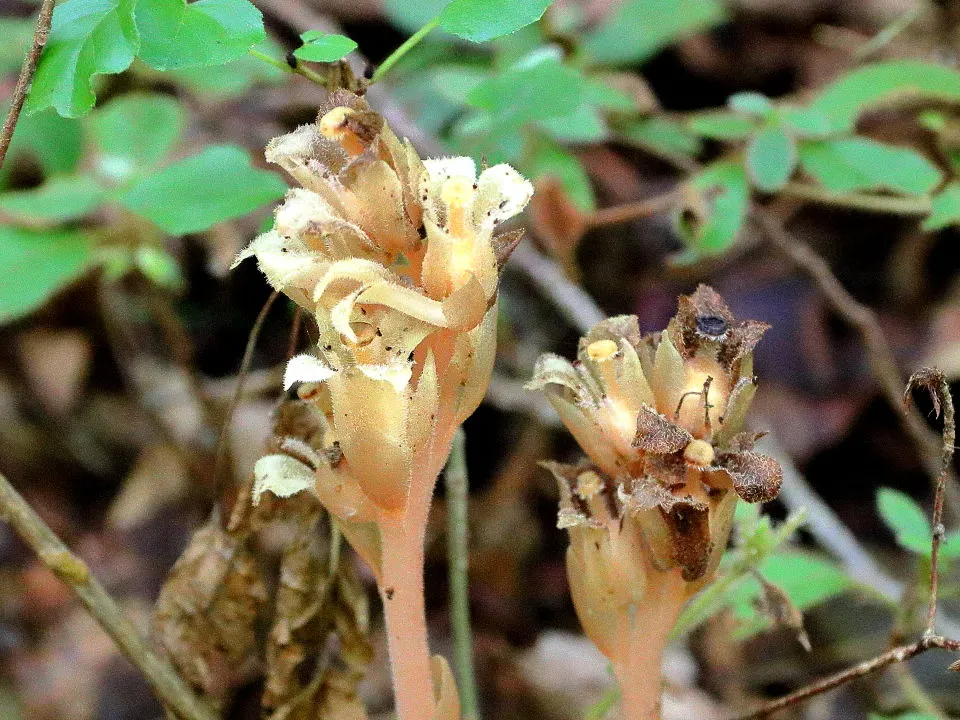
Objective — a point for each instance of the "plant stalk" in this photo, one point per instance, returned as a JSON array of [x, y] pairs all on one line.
[[406, 47]]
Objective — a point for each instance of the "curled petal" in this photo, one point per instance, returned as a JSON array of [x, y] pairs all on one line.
[[282, 475], [756, 477], [552, 369], [354, 272], [306, 369], [396, 373], [289, 265], [502, 192]]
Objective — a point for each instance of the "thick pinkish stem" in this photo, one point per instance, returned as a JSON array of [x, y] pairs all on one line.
[[639, 678], [401, 590]]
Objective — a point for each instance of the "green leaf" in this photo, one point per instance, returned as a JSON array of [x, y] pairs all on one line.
[[725, 196], [638, 29], [455, 82], [945, 208], [87, 38], [857, 163], [61, 198], [583, 125], [411, 16], [176, 34], [552, 160], [55, 141], [904, 716], [216, 82], [601, 95], [483, 20], [720, 125], [323, 47], [158, 266], [191, 195], [37, 264], [547, 89], [134, 132], [906, 519], [886, 83], [771, 159], [806, 122], [662, 135], [750, 103]]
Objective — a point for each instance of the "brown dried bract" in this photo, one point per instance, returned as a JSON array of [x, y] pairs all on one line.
[[756, 477], [688, 522], [656, 434]]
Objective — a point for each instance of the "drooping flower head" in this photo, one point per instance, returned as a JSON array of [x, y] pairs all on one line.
[[398, 260], [660, 417]]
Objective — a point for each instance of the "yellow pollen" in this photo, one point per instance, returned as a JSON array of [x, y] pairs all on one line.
[[455, 194], [602, 349], [699, 453], [334, 125], [588, 484]]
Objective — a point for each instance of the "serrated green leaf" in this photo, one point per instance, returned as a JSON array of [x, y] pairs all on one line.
[[750, 103], [906, 519], [547, 89], [858, 163], [553, 160], [721, 125], [885, 83], [583, 125], [55, 141], [725, 197], [944, 208], [87, 38], [61, 198], [638, 29], [38, 264], [771, 159], [483, 20], [323, 47], [134, 132], [662, 135], [177, 34], [191, 195]]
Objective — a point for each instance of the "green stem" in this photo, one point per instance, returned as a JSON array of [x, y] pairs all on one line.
[[395, 56], [458, 495], [286, 67], [860, 201]]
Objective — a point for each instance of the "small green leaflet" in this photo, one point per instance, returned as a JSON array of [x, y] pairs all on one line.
[[483, 20], [38, 264], [134, 132], [721, 125], [59, 199], [177, 34], [907, 520], [725, 194], [195, 193], [771, 158], [858, 163], [87, 38], [750, 103], [547, 89], [637, 29], [323, 47]]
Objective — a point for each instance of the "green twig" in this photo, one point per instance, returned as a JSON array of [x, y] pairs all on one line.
[[297, 69], [165, 681], [395, 56], [455, 478], [893, 205]]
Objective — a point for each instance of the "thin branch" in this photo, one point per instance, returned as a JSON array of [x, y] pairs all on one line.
[[890, 204], [458, 562], [934, 381], [29, 67], [168, 685], [633, 210], [238, 391], [896, 655], [879, 354]]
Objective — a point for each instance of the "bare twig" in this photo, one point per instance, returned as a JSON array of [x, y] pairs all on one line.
[[633, 210], [238, 392], [29, 67], [168, 685], [896, 655], [879, 354], [934, 381]]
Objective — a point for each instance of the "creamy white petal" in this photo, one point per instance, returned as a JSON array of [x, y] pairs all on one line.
[[282, 475], [306, 368]]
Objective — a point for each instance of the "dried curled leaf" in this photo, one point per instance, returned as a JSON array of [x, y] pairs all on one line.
[[206, 615]]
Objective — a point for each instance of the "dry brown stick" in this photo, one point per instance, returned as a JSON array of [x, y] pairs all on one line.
[[896, 655], [632, 210], [934, 381], [29, 67], [168, 685], [858, 315]]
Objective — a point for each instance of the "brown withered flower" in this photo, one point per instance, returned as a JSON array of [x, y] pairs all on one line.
[[660, 417]]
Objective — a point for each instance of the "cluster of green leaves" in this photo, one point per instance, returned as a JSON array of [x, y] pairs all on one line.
[[530, 99], [67, 224], [818, 141]]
